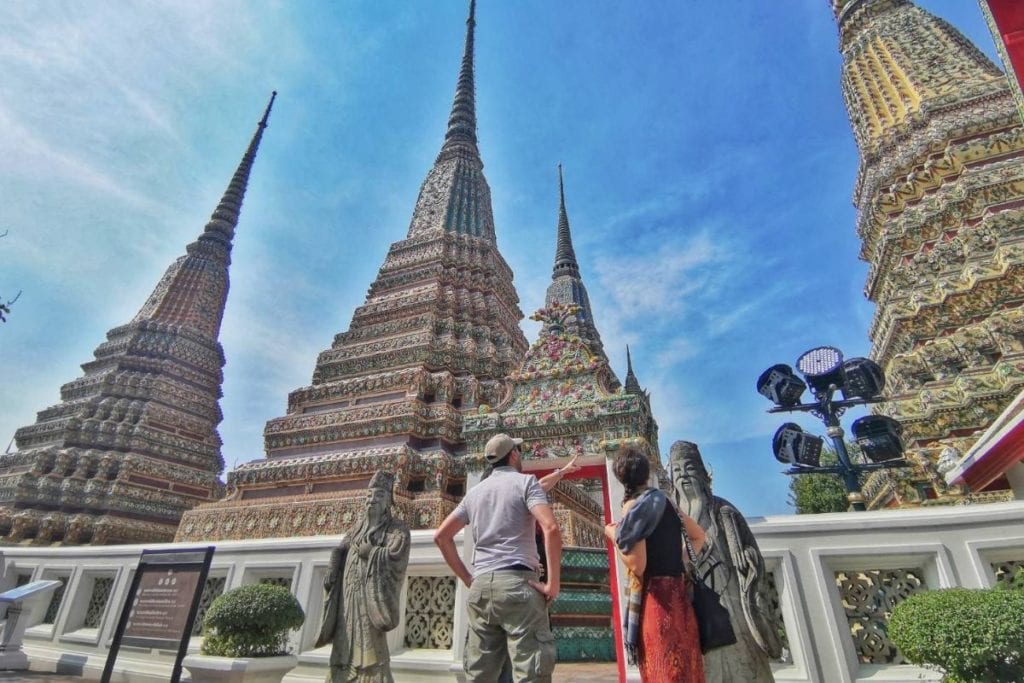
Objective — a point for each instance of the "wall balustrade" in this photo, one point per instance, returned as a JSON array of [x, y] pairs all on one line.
[[835, 579]]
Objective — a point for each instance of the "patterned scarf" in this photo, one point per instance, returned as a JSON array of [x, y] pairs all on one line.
[[636, 525]]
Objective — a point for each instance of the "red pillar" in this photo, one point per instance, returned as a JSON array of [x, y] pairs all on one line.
[[613, 579]]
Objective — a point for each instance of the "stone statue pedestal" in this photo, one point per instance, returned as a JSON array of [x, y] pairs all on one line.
[[26, 606]]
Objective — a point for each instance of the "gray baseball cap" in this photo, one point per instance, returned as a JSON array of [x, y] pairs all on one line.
[[499, 446]]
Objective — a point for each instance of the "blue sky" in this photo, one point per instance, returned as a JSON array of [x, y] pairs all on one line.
[[709, 166]]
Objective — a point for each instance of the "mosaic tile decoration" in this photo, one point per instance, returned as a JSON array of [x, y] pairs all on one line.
[[584, 643]]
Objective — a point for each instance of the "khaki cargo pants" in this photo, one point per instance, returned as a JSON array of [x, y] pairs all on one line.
[[507, 615]]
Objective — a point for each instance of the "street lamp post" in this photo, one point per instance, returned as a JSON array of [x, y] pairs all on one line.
[[860, 380]]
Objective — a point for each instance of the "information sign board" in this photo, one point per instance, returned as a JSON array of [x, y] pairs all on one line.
[[161, 605]]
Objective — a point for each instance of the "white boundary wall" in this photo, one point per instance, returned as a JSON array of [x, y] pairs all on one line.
[[951, 546]]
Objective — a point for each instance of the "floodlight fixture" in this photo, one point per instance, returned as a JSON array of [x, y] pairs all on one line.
[[864, 378], [879, 437], [823, 367], [781, 385], [793, 446]]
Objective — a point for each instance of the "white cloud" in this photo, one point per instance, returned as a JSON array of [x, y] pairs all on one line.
[[644, 283]]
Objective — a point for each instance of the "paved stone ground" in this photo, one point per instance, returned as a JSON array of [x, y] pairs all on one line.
[[564, 673], [586, 673]]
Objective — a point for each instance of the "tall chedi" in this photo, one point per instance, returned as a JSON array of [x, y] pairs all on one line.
[[940, 211], [134, 443], [436, 335]]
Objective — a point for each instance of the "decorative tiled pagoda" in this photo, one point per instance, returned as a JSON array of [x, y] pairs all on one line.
[[566, 401], [940, 212], [133, 442], [436, 336]]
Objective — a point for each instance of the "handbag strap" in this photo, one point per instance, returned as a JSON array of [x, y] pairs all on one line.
[[688, 546]]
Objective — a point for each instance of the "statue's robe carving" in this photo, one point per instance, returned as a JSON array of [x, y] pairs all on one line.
[[364, 581], [731, 564]]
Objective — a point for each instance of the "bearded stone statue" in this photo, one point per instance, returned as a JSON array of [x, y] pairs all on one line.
[[363, 583], [731, 564]]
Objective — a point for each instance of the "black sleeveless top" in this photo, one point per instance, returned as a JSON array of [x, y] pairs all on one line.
[[665, 546]]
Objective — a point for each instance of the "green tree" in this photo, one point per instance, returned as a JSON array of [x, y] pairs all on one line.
[[811, 494]]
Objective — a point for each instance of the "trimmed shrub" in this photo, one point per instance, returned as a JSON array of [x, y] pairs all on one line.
[[974, 636], [251, 621]]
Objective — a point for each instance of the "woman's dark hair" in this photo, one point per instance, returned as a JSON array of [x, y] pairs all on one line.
[[633, 470]]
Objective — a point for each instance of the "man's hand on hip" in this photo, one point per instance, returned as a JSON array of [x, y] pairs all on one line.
[[548, 590]]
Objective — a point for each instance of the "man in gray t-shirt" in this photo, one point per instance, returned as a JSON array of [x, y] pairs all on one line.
[[507, 603]]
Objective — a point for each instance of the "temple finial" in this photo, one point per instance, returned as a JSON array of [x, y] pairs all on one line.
[[565, 256], [266, 113], [632, 385], [561, 187], [461, 133]]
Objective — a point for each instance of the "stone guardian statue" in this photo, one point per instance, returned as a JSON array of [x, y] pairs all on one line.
[[363, 583], [732, 565]]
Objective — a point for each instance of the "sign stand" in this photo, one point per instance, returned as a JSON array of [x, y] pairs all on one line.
[[161, 605]]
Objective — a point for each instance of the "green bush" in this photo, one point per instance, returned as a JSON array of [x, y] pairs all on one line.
[[974, 636], [251, 621]]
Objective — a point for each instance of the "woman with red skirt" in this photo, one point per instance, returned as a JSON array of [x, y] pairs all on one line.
[[661, 634]]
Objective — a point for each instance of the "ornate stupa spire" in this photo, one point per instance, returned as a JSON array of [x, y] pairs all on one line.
[[438, 333], [133, 443], [565, 256], [461, 133], [455, 197], [567, 286], [194, 289], [938, 196], [632, 385]]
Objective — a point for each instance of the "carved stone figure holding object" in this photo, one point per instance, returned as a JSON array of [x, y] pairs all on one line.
[[363, 583], [731, 564]]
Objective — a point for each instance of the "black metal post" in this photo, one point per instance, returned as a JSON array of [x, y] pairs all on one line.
[[853, 493]]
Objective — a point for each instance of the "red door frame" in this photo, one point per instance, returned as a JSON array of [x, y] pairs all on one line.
[[592, 472]]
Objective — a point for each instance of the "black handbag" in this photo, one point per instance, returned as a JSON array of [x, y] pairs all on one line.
[[713, 622]]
